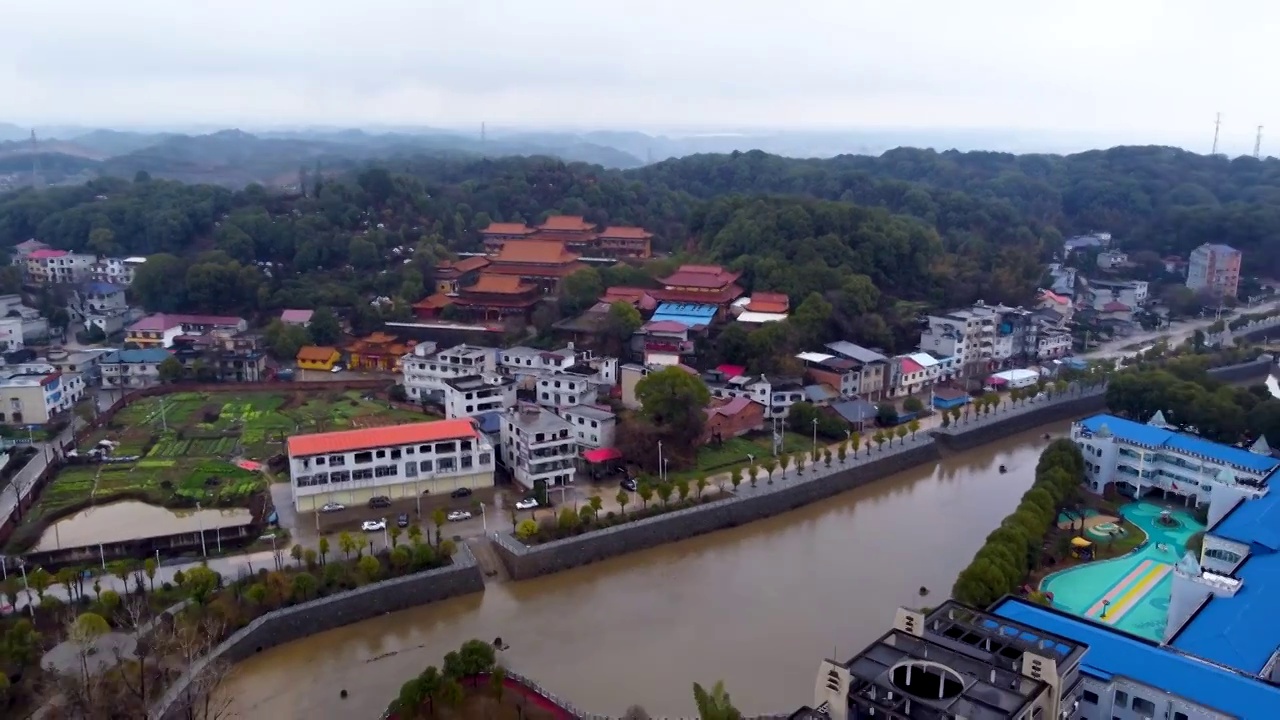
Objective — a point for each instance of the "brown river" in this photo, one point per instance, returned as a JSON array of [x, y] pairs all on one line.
[[757, 606]]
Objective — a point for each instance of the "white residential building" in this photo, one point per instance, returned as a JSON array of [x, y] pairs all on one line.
[[59, 266], [530, 361], [565, 390], [777, 394], [1108, 295], [118, 271], [1053, 344], [425, 370], [472, 395], [400, 462], [913, 373], [132, 369], [538, 445], [1111, 259], [594, 427], [35, 393], [11, 334]]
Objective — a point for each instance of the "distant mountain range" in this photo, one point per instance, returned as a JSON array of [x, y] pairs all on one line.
[[69, 154], [236, 158]]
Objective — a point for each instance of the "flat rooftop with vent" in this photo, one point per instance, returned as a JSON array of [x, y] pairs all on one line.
[[957, 662]]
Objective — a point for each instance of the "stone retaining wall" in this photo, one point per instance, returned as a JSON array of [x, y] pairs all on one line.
[[293, 623], [965, 435], [746, 505]]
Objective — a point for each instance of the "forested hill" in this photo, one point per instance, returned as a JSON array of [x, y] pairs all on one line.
[[1150, 198], [876, 239]]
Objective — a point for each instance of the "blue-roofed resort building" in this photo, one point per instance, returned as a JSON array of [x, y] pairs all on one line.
[[1153, 460]]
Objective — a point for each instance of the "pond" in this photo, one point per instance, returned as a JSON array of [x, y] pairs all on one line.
[[133, 520]]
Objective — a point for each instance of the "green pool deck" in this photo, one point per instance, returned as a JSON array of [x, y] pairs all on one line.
[[1130, 593]]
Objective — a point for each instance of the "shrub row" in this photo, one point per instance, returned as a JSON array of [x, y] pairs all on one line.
[[1000, 567]]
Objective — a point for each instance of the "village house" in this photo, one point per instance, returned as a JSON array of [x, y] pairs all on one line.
[[427, 370], [729, 418], [118, 271], [594, 427], [36, 393], [301, 318], [132, 369], [318, 357], [538, 446], [378, 352], [161, 329]]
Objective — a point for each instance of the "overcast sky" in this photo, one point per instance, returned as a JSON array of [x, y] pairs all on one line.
[[1134, 68]]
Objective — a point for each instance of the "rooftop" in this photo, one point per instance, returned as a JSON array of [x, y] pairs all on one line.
[[767, 302], [1252, 522], [159, 322], [297, 316], [501, 285], [1112, 653], [149, 355], [625, 232], [479, 381], [45, 254], [533, 419], [730, 408], [1239, 631], [316, 353], [102, 288], [464, 265], [855, 352], [569, 223], [508, 229], [375, 437], [700, 276], [1154, 437], [909, 366], [687, 314], [535, 251], [591, 411]]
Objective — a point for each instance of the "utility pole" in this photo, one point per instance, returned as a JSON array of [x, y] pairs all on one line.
[[1217, 125], [1257, 145]]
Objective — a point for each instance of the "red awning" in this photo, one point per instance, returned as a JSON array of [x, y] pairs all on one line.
[[601, 455]]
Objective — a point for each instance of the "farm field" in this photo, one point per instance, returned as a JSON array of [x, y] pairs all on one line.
[[181, 449]]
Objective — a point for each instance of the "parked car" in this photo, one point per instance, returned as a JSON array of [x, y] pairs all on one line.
[[333, 507], [336, 369], [527, 504], [461, 493], [379, 501], [402, 520], [374, 525], [630, 484], [459, 515]]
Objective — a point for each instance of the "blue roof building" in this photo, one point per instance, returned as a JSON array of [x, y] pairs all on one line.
[[690, 315], [1144, 459], [1144, 678]]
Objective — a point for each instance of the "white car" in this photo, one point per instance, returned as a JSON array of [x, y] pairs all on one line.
[[374, 525], [336, 369], [333, 507], [459, 516], [527, 504]]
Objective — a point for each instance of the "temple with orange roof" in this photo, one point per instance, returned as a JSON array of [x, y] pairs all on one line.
[[498, 233], [543, 262], [453, 275], [377, 351], [577, 233], [700, 284], [490, 297]]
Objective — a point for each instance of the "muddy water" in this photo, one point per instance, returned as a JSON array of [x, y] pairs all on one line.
[[131, 520], [757, 606]]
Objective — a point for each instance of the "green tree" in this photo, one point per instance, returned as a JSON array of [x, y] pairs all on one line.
[[369, 568], [200, 584], [913, 405], [439, 518], [784, 462], [580, 290], [702, 482], [415, 534], [295, 552], [645, 491], [150, 566], [324, 550], [595, 502], [769, 466], [526, 530], [324, 327], [665, 490], [304, 586], [170, 370], [623, 322], [285, 340], [623, 497], [714, 704], [682, 489], [913, 427], [901, 431], [39, 580], [347, 544], [673, 399]]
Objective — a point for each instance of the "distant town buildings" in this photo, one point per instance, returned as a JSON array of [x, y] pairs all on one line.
[[1214, 269]]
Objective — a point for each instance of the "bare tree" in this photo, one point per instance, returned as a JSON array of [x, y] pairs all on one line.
[[193, 640]]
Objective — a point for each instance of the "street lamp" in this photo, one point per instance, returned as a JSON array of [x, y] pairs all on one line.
[[200, 519], [814, 455], [666, 472], [484, 522], [660, 478]]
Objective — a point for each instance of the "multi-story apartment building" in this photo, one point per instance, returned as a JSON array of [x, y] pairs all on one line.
[[1214, 269], [538, 445], [36, 393], [471, 395], [118, 271], [521, 360], [565, 390], [1053, 344], [1108, 295], [776, 393], [99, 304], [982, 338], [871, 369], [211, 358], [426, 369], [58, 266], [1136, 459], [132, 369], [11, 334], [913, 373], [397, 462], [593, 426]]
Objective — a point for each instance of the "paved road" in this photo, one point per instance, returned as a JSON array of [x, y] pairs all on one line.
[[1180, 332], [24, 480]]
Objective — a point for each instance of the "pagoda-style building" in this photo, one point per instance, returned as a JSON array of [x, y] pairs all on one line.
[[378, 351], [498, 233], [573, 230], [490, 297], [624, 241], [453, 275], [577, 234], [542, 262], [700, 284]]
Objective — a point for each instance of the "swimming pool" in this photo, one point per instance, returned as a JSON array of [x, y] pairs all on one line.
[[1130, 593]]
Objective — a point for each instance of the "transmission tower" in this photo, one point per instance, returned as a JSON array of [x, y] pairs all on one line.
[[1257, 145], [1217, 125], [36, 180]]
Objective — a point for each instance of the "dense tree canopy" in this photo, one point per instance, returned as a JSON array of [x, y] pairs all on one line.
[[864, 244]]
